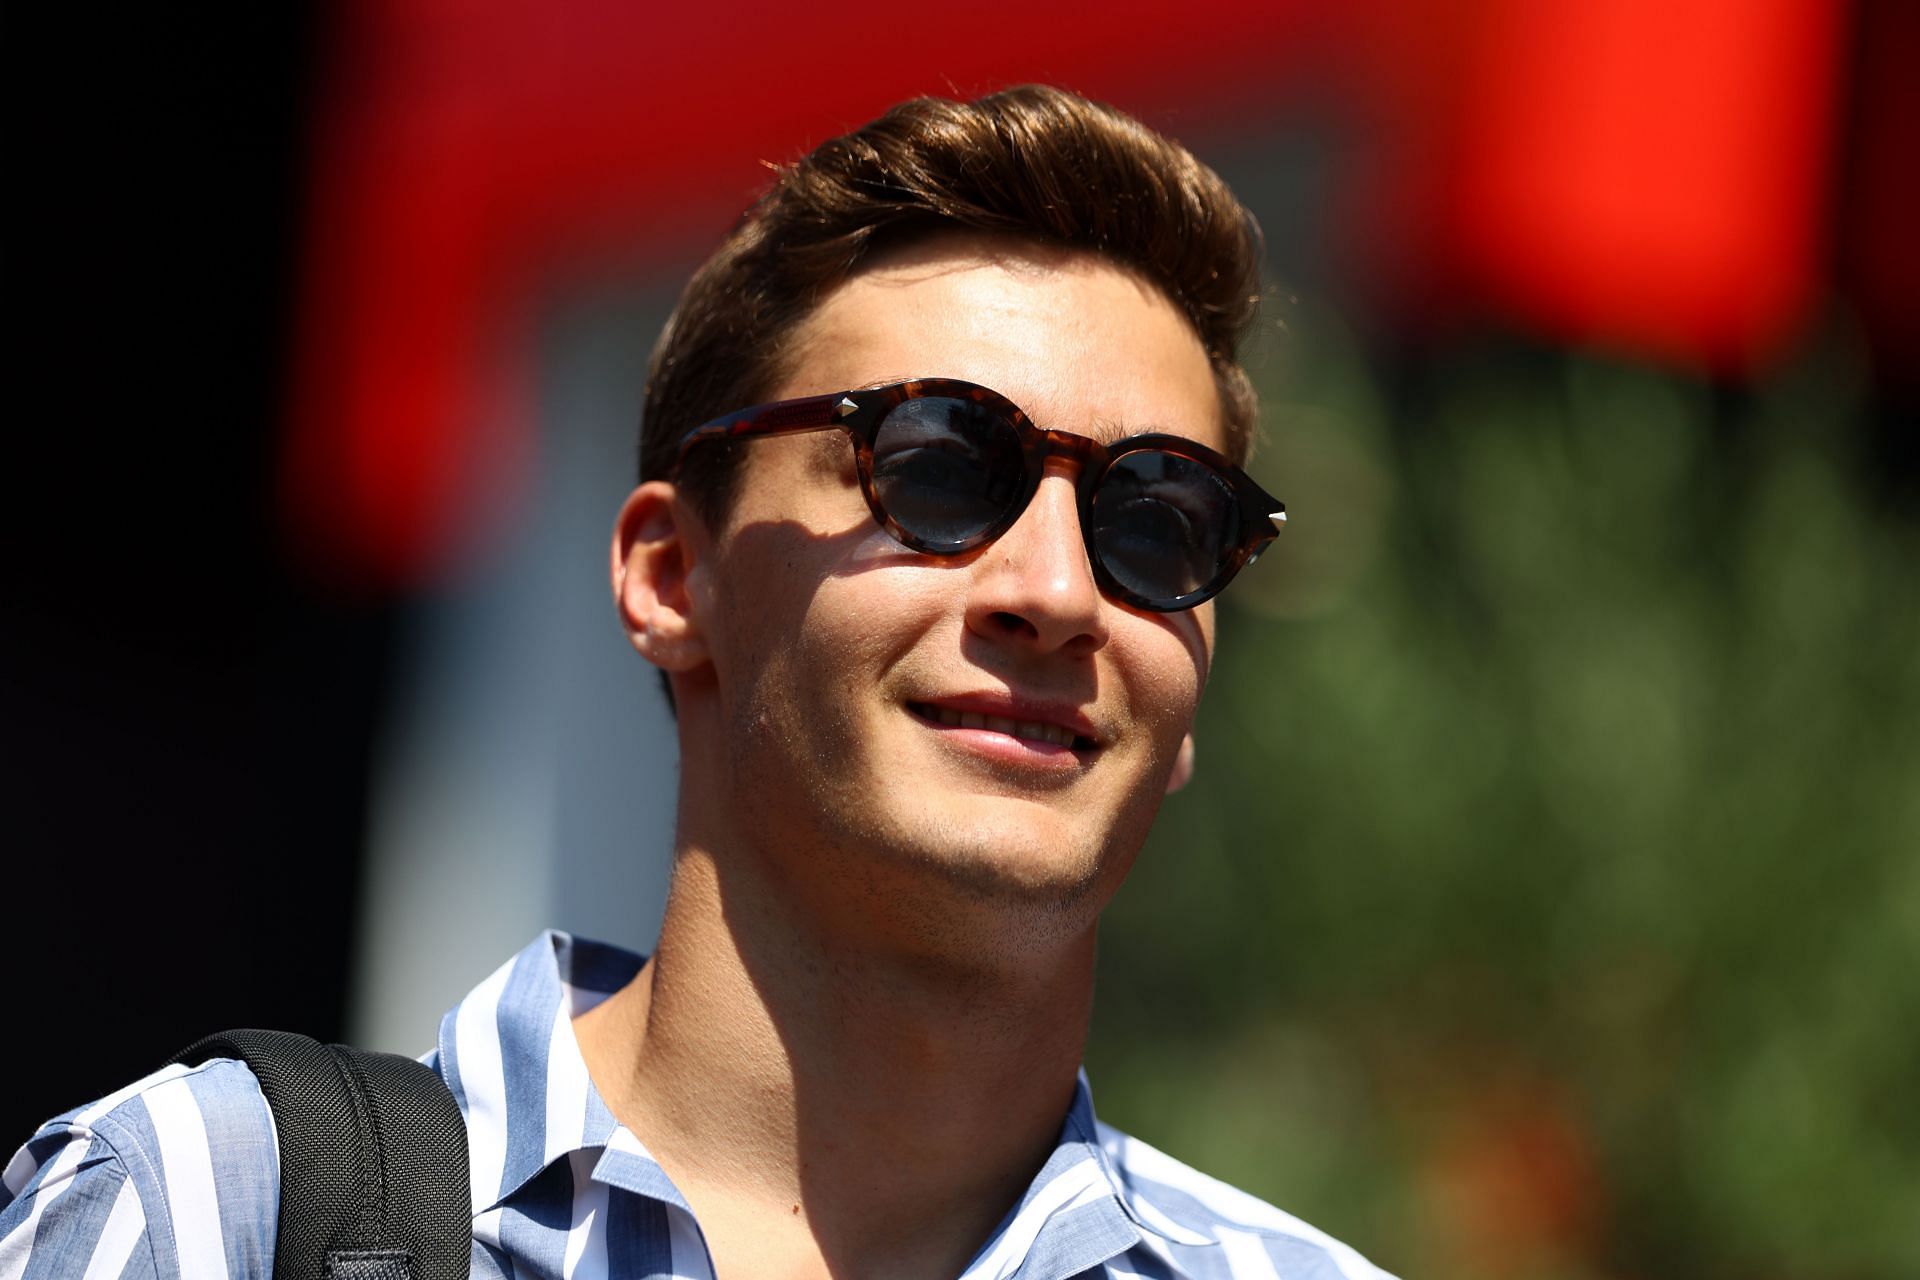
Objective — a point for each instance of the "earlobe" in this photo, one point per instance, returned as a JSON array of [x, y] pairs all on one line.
[[655, 553], [1182, 766]]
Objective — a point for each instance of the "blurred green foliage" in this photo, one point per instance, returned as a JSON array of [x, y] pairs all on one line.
[[1547, 901]]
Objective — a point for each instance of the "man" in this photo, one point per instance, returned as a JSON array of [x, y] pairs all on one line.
[[934, 616]]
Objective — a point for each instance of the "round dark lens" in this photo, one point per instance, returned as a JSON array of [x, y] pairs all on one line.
[[1163, 525], [946, 470]]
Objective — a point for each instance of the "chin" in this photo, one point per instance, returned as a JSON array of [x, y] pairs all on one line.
[[1015, 860]]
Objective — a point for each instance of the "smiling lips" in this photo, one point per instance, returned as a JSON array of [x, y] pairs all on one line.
[[1036, 731]]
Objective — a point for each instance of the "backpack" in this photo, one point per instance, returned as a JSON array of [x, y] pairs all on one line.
[[373, 1159]]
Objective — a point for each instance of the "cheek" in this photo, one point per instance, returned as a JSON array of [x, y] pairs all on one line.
[[1170, 696], [874, 610], [1169, 656]]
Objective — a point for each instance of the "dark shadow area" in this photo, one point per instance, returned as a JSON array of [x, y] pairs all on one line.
[[184, 720]]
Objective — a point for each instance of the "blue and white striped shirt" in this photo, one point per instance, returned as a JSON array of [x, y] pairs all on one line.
[[177, 1175]]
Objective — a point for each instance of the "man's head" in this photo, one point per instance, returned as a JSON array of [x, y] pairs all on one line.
[[1033, 163], [903, 734]]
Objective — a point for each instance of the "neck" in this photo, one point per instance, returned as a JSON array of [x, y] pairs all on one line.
[[837, 1100]]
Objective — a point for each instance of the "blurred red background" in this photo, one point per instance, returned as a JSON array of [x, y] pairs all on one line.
[[281, 272]]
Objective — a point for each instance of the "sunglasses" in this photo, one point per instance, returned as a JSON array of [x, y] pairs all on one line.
[[948, 466]]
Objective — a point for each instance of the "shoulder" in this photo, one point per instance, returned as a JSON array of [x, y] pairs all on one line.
[[175, 1175], [1211, 1228]]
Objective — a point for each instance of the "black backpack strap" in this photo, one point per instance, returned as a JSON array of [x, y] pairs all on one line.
[[373, 1159]]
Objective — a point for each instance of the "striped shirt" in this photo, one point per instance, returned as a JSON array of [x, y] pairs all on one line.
[[177, 1175]]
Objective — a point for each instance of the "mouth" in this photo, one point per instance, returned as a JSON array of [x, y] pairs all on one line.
[[1033, 733]]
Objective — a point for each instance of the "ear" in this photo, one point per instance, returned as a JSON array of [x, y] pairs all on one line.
[[658, 543], [1182, 766]]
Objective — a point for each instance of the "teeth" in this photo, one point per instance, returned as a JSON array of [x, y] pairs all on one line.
[[1032, 730]]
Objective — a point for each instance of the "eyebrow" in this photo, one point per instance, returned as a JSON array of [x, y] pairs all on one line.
[[1104, 430], [1109, 432]]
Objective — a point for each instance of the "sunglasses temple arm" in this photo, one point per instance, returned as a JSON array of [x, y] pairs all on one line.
[[815, 413]]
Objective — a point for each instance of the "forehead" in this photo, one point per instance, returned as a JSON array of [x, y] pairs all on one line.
[[1080, 344]]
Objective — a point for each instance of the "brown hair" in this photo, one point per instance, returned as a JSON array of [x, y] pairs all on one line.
[[1033, 162]]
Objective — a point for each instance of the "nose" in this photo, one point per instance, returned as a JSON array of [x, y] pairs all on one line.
[[1033, 585]]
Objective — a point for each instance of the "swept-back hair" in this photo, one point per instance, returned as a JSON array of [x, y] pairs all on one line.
[[1032, 162]]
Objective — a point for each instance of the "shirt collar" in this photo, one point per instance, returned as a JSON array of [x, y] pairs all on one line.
[[509, 1054], [1084, 1132]]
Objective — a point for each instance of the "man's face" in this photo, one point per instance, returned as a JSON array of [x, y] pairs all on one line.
[[842, 659]]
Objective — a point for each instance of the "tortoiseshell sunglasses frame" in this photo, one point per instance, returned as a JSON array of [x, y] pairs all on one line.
[[860, 414]]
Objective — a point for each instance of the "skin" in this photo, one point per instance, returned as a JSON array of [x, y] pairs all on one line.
[[855, 1043]]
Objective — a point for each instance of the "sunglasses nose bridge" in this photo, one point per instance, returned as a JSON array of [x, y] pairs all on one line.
[[1085, 458], [1085, 452], [1079, 460]]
